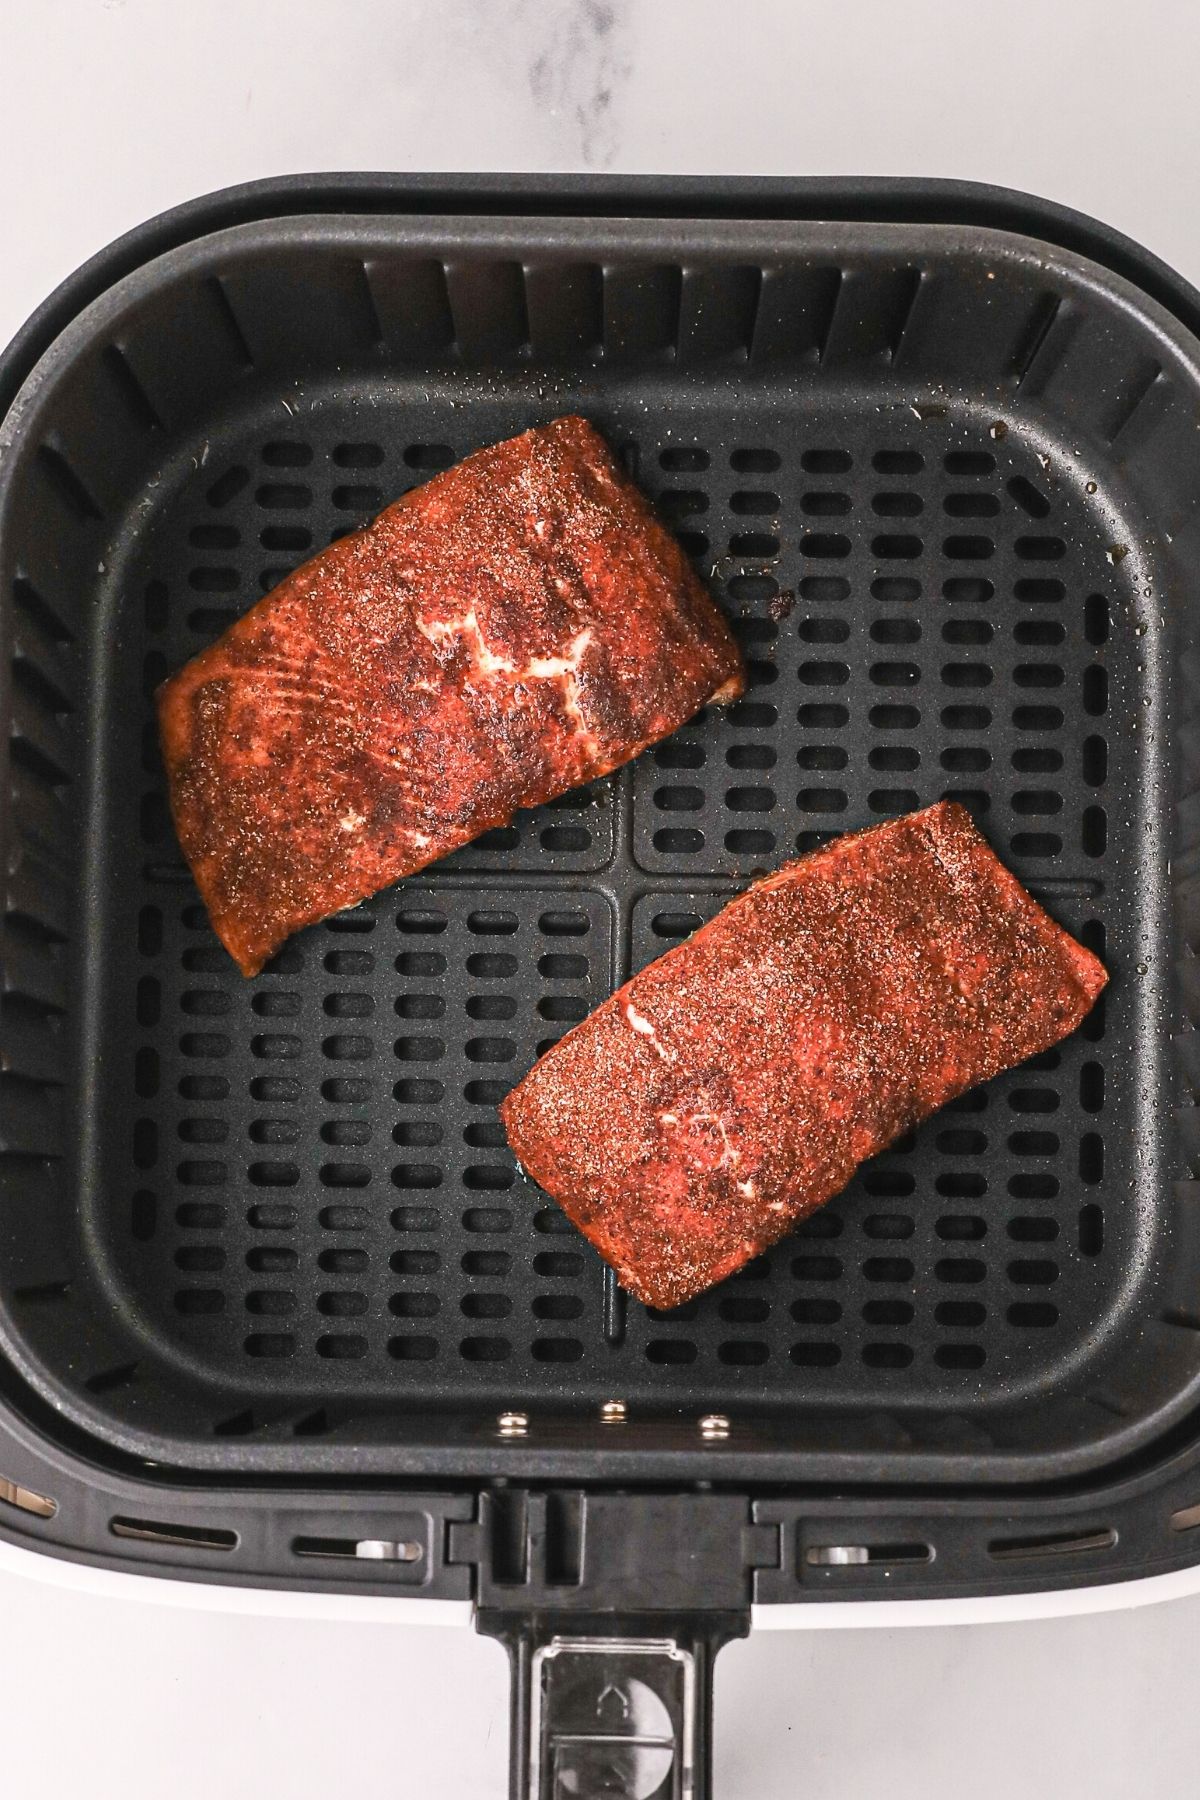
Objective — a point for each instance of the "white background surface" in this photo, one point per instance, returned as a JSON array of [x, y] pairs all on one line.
[[111, 110]]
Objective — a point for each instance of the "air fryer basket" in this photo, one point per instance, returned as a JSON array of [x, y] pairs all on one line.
[[270, 1284]]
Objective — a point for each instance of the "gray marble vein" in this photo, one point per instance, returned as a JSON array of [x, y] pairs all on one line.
[[518, 83], [581, 62]]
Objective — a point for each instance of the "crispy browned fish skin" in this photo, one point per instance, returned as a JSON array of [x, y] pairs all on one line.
[[737, 1083], [519, 625]]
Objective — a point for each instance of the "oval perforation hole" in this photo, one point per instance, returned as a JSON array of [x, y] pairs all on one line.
[[416, 1347], [357, 456], [485, 1349], [977, 505], [888, 1268], [827, 545], [898, 462], [817, 1355], [829, 505], [485, 1306], [753, 502], [752, 544], [963, 1270], [362, 962], [960, 1315], [429, 456], [897, 504], [823, 631], [897, 546], [826, 462]]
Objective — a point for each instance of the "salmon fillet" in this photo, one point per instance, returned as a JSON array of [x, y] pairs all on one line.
[[737, 1083], [518, 625]]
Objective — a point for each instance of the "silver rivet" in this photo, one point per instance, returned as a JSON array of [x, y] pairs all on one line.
[[836, 1556], [714, 1425], [613, 1412], [513, 1424], [387, 1550]]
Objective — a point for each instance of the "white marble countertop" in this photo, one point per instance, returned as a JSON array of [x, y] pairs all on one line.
[[116, 109], [112, 110]]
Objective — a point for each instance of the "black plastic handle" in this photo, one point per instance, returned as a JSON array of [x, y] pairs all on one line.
[[613, 1606], [612, 1706]]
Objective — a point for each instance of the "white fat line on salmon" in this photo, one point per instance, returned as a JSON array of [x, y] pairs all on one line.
[[643, 1026], [564, 668], [550, 668], [442, 632], [729, 1156], [354, 821]]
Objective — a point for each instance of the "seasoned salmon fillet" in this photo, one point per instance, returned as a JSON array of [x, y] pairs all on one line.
[[518, 625], [736, 1084]]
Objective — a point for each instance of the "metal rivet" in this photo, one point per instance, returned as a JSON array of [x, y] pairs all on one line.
[[387, 1550], [836, 1556], [714, 1425], [613, 1412], [513, 1424], [15, 1495]]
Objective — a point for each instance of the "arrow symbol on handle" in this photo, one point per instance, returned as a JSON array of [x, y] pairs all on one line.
[[613, 1693]]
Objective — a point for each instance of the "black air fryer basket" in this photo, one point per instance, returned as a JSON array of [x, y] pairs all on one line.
[[276, 1306]]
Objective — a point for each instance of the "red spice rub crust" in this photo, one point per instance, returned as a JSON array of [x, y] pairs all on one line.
[[518, 625], [737, 1083]]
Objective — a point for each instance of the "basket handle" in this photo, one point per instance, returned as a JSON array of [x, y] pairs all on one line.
[[612, 1706], [613, 1607]]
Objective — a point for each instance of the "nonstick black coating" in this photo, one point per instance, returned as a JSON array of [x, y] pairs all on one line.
[[941, 480]]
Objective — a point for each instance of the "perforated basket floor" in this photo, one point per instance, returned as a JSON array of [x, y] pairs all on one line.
[[316, 1175], [283, 1210]]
